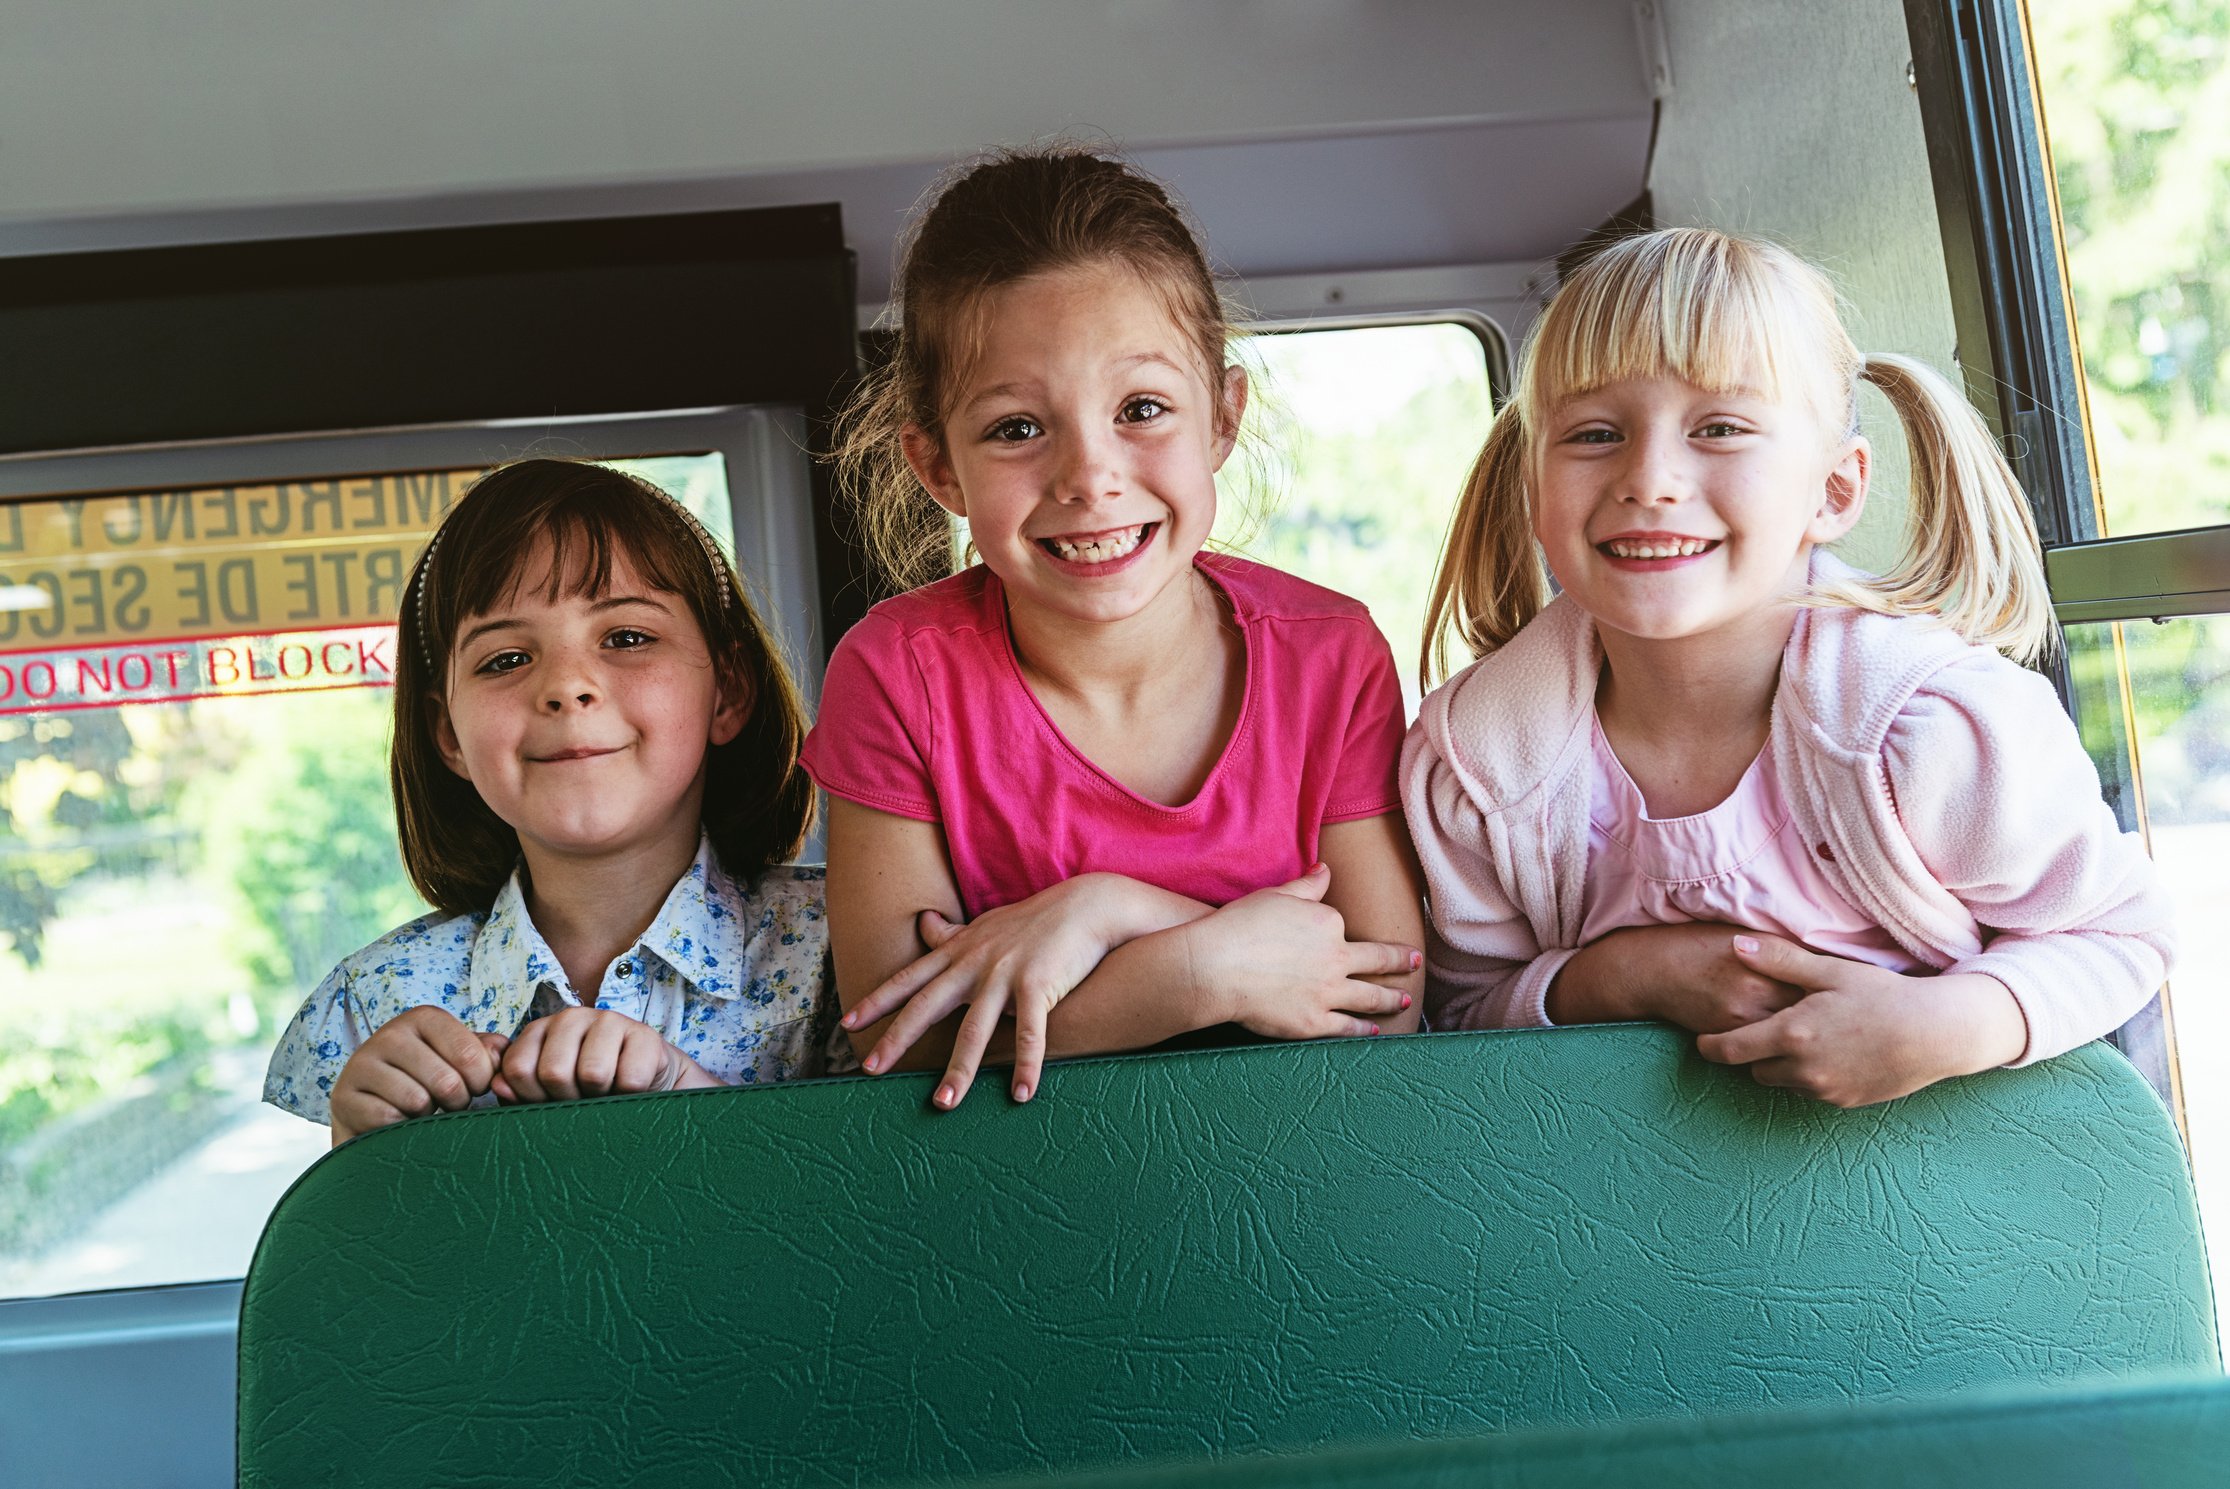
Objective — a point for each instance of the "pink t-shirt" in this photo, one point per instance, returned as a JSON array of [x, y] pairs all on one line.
[[1741, 862], [924, 713]]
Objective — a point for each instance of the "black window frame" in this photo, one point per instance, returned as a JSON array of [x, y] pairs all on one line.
[[1975, 72]]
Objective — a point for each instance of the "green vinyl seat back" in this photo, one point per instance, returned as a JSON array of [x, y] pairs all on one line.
[[2155, 1434], [1178, 1256]]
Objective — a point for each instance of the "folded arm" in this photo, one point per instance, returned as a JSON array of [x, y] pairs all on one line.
[[1095, 964]]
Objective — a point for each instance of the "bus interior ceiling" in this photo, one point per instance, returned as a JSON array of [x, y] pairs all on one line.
[[1346, 158]]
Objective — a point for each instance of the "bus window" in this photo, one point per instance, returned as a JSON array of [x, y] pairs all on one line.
[[2136, 101], [1367, 433], [194, 827], [2133, 96]]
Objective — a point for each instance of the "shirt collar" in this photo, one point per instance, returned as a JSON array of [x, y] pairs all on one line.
[[696, 932]]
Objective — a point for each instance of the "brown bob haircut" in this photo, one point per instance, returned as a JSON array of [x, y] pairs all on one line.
[[758, 804]]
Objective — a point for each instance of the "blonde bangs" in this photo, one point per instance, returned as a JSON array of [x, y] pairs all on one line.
[[1714, 311]]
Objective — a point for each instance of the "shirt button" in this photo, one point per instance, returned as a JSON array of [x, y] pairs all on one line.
[[626, 969]]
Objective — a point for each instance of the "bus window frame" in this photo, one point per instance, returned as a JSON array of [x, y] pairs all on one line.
[[1974, 69], [769, 499], [775, 543], [1493, 340]]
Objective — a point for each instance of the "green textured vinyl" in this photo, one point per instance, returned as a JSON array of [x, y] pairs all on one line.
[[2155, 1435], [1166, 1256]]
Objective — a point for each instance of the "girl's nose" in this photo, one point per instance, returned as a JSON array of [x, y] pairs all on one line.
[[1088, 469], [571, 685], [1650, 476]]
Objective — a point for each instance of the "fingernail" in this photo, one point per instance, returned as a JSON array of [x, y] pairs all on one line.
[[1374, 1028], [1317, 867], [1745, 943], [1022, 1092], [873, 1064], [1405, 1000], [945, 1096], [850, 1021], [1416, 960]]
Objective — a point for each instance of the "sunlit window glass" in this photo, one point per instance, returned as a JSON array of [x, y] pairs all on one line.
[[2137, 111], [194, 827], [2179, 690], [1365, 436]]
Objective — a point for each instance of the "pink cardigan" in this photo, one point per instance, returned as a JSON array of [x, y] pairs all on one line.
[[1941, 786]]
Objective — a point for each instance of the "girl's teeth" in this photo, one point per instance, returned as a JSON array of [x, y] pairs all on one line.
[[1684, 548], [1098, 550]]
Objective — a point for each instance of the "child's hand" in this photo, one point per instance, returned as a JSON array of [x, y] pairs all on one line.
[[1283, 960], [1864, 1034], [1026, 956], [1685, 974], [577, 1052], [423, 1059]]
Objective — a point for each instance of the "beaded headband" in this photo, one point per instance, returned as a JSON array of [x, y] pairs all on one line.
[[422, 580]]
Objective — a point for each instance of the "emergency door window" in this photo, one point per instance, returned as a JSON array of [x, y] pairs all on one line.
[[195, 827]]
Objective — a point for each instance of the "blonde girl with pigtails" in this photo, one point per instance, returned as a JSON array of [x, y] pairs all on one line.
[[1823, 819]]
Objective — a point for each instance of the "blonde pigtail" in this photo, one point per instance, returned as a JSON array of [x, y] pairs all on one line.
[[1490, 581], [1973, 558]]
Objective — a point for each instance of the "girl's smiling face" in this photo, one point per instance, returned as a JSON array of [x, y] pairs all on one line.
[[1668, 510], [583, 719], [1083, 447]]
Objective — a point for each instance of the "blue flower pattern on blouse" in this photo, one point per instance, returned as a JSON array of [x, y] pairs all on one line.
[[736, 980]]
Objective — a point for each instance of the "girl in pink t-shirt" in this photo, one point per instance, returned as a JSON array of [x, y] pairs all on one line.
[[1102, 783]]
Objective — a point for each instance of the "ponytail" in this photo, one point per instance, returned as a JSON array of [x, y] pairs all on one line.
[[1972, 557], [1490, 581]]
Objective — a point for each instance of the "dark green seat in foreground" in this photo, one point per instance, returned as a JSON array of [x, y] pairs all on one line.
[[1258, 1250], [2159, 1434]]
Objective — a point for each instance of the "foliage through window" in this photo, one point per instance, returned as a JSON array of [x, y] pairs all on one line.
[[194, 827]]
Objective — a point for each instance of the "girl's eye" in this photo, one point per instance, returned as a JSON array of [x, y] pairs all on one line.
[[1596, 436], [502, 662], [1144, 410], [1015, 429], [1721, 429], [627, 638]]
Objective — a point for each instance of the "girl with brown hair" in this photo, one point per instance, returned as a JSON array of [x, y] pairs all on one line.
[[595, 773], [1103, 782]]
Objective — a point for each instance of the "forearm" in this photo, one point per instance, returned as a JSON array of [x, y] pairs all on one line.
[[1596, 986], [1981, 1024]]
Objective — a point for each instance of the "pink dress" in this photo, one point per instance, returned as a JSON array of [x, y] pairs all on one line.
[[1742, 862]]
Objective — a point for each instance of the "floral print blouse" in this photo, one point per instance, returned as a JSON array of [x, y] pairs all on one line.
[[737, 980]]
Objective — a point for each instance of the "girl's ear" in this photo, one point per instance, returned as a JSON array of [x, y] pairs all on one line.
[[732, 710], [1843, 493], [445, 736], [932, 467], [1231, 408]]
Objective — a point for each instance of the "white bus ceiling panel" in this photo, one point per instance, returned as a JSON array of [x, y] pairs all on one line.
[[1307, 135], [108, 105]]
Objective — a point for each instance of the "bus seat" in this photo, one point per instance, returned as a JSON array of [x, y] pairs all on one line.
[[2162, 1434], [1182, 1255]]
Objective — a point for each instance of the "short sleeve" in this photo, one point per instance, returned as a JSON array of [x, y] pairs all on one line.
[[873, 741], [313, 1047], [1370, 745]]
